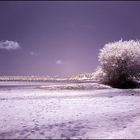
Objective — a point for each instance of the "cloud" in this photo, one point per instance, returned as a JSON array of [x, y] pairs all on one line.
[[9, 45], [59, 62], [33, 53]]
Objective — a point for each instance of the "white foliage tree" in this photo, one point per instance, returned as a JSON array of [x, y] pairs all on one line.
[[120, 61], [99, 74]]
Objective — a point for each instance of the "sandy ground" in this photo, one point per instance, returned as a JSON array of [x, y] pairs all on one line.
[[69, 114]]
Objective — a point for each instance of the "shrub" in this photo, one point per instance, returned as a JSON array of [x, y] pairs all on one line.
[[100, 75], [120, 61]]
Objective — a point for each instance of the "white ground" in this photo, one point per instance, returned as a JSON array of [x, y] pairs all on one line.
[[40, 113]]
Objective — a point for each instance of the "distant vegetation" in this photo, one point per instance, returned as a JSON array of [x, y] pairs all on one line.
[[80, 77], [25, 78]]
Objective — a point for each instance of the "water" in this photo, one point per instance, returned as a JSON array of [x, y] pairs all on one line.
[[33, 85], [21, 84]]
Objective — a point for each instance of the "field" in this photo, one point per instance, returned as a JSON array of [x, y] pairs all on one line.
[[68, 111]]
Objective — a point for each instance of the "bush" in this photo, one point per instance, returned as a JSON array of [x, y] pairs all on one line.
[[120, 62], [99, 75]]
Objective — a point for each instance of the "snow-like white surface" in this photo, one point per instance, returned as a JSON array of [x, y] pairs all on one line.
[[40, 113]]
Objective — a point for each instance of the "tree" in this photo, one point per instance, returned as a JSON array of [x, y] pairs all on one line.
[[120, 63]]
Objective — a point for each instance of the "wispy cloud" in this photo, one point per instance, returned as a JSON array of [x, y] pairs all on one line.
[[59, 62], [9, 45], [33, 53]]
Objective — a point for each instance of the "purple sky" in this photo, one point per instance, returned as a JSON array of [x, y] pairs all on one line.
[[61, 38]]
